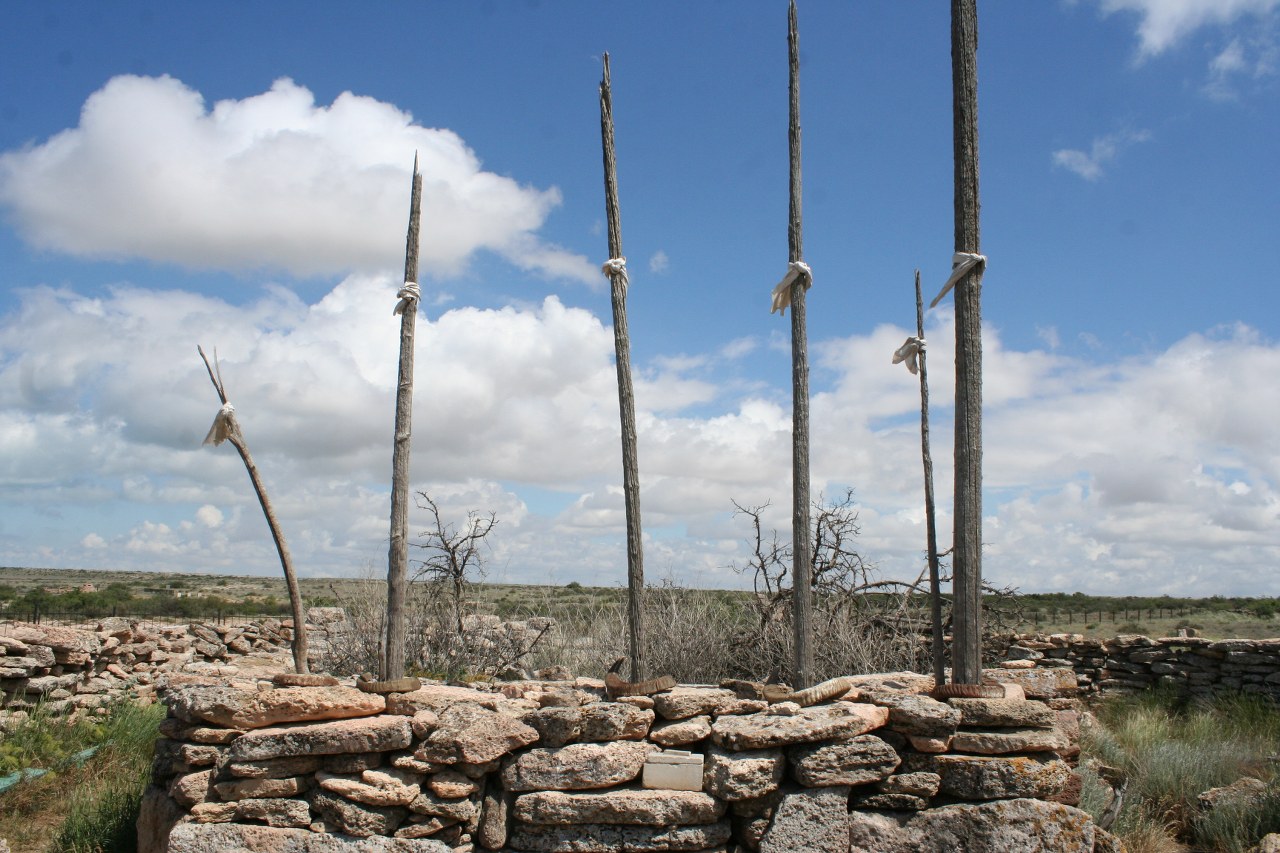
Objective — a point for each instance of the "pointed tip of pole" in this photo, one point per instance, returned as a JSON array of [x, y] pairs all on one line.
[[415, 163]]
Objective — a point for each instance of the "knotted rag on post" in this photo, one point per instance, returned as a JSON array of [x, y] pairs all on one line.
[[408, 295], [908, 352], [224, 425], [961, 263], [782, 293], [617, 267]]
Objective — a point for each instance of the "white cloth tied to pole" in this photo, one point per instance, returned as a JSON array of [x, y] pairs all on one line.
[[961, 263], [408, 295], [782, 293], [616, 267], [224, 425], [908, 353]]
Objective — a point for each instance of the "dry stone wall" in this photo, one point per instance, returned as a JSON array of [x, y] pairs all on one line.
[[1193, 665], [556, 767]]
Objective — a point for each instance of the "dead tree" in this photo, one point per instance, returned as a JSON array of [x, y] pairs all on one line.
[[456, 556], [227, 428], [392, 664], [967, 544], [616, 270]]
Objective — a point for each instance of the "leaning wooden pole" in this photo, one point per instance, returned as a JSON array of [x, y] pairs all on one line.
[[393, 658], [617, 271], [967, 546], [227, 428], [930, 514], [802, 558]]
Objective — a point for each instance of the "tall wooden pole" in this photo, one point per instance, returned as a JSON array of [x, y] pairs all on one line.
[[227, 428], [930, 518], [802, 558], [626, 396], [398, 556], [967, 547]]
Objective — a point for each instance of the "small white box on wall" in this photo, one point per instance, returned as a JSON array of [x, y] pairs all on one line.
[[673, 770]]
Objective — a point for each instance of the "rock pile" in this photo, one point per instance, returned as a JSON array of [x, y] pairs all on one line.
[[1192, 665], [72, 669], [545, 767]]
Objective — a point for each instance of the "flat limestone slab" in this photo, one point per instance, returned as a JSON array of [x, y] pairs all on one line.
[[367, 734], [579, 766], [244, 838], [637, 806], [820, 722], [243, 709], [611, 838]]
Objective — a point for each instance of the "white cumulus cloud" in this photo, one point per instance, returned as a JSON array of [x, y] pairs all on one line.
[[1163, 23], [274, 180], [1102, 152]]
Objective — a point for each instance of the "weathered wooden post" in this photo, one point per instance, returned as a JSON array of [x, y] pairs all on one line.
[[398, 556], [966, 647], [227, 428], [616, 269], [798, 280], [913, 353]]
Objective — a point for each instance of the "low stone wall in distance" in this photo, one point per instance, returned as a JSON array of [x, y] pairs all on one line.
[[1129, 662], [556, 766]]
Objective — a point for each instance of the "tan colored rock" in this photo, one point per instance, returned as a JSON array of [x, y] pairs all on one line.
[[616, 838], [449, 810], [495, 809], [974, 777], [579, 766], [1038, 683], [856, 761], [191, 788], [368, 734], [916, 715], [819, 722], [275, 768], [633, 806], [353, 764], [374, 787], [743, 774], [556, 725], [681, 732], [157, 815], [810, 820], [249, 838], [437, 697], [1004, 741], [257, 789], [606, 721], [929, 744], [450, 784], [241, 709], [275, 812], [1000, 826], [472, 734], [920, 784], [898, 682], [355, 819], [680, 703], [1004, 712], [423, 723], [213, 812]]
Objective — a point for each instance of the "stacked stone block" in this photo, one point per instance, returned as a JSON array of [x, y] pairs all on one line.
[[546, 767]]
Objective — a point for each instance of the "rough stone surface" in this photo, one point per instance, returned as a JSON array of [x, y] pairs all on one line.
[[1004, 741], [472, 734], [1039, 683], [437, 697], [820, 722], [556, 725], [606, 721], [275, 768], [492, 830], [157, 816], [579, 766], [242, 709], [916, 715], [681, 732], [743, 775], [809, 820], [374, 788], [920, 784], [455, 811], [373, 734], [614, 838], [1004, 712], [857, 761], [1001, 826], [244, 838], [252, 789], [972, 777], [625, 806], [451, 784], [681, 703], [275, 812], [191, 788], [355, 819]]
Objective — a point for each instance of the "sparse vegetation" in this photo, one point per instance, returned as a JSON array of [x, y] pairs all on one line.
[[1165, 751]]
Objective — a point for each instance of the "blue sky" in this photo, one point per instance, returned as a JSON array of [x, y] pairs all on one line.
[[238, 177]]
